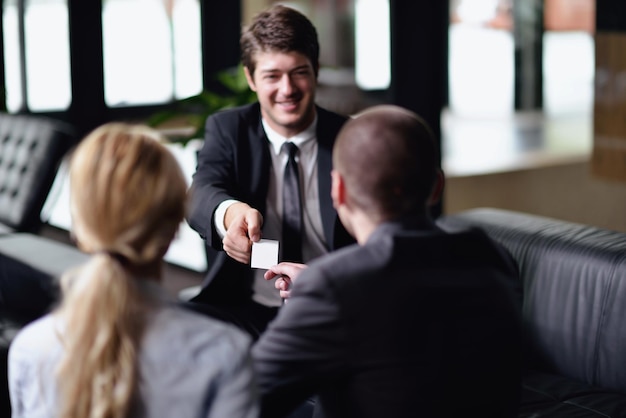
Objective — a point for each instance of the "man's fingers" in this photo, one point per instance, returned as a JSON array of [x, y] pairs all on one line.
[[237, 242], [254, 221], [237, 247], [291, 270], [269, 275], [282, 283]]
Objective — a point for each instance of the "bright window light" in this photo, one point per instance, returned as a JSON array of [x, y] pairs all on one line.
[[372, 49], [47, 55], [152, 50], [14, 99]]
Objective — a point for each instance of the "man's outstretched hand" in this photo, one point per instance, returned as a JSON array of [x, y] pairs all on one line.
[[243, 226]]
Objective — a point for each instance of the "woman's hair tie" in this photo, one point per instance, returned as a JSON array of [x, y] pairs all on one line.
[[123, 260]]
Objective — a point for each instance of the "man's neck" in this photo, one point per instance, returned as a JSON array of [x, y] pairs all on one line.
[[362, 227]]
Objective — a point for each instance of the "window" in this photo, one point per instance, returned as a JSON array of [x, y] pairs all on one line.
[[372, 49], [568, 57], [46, 64], [481, 59], [152, 52]]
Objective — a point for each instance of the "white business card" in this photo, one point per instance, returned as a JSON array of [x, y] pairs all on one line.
[[264, 254]]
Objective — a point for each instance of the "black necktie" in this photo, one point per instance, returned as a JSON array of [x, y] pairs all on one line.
[[291, 245]]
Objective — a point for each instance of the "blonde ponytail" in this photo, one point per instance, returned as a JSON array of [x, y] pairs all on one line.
[[128, 198], [104, 316]]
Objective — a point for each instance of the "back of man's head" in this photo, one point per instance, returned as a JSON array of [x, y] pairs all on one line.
[[389, 162], [279, 29]]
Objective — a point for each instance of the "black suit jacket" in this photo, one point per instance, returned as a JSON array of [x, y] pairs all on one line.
[[235, 163], [414, 323]]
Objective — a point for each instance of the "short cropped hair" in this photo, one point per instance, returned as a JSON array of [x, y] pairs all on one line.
[[279, 29], [389, 162]]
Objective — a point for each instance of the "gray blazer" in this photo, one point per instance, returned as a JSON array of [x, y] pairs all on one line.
[[414, 323]]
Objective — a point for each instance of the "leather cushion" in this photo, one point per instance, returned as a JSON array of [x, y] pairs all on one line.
[[574, 291], [31, 148], [550, 395], [29, 267]]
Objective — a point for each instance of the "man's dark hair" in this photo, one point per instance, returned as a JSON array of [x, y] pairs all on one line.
[[389, 162], [279, 29]]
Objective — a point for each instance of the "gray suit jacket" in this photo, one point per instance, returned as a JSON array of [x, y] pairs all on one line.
[[413, 323]]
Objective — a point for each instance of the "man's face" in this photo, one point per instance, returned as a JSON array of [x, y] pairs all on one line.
[[285, 85]]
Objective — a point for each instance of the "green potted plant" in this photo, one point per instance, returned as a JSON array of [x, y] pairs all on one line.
[[191, 112]]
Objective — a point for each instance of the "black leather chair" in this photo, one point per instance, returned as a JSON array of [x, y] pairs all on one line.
[[574, 279], [31, 149]]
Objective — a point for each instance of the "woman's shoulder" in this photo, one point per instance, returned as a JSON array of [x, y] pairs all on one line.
[[37, 333], [39, 342], [193, 331]]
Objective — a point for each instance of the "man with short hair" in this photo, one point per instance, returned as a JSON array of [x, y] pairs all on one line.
[[411, 321], [239, 192]]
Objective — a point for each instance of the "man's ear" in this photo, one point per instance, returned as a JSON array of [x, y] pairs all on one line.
[[338, 189], [437, 192], [249, 78]]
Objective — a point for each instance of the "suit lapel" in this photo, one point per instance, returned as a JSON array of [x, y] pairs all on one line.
[[260, 162]]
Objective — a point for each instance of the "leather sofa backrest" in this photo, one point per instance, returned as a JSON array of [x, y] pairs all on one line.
[[574, 279], [31, 148]]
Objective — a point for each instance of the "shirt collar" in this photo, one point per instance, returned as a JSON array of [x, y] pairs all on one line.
[[277, 140]]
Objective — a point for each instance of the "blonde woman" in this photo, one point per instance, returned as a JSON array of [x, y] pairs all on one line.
[[116, 346]]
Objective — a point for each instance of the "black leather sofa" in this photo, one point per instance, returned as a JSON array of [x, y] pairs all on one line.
[[574, 281], [31, 150]]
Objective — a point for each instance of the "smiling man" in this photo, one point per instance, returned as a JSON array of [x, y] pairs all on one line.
[[242, 187]]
